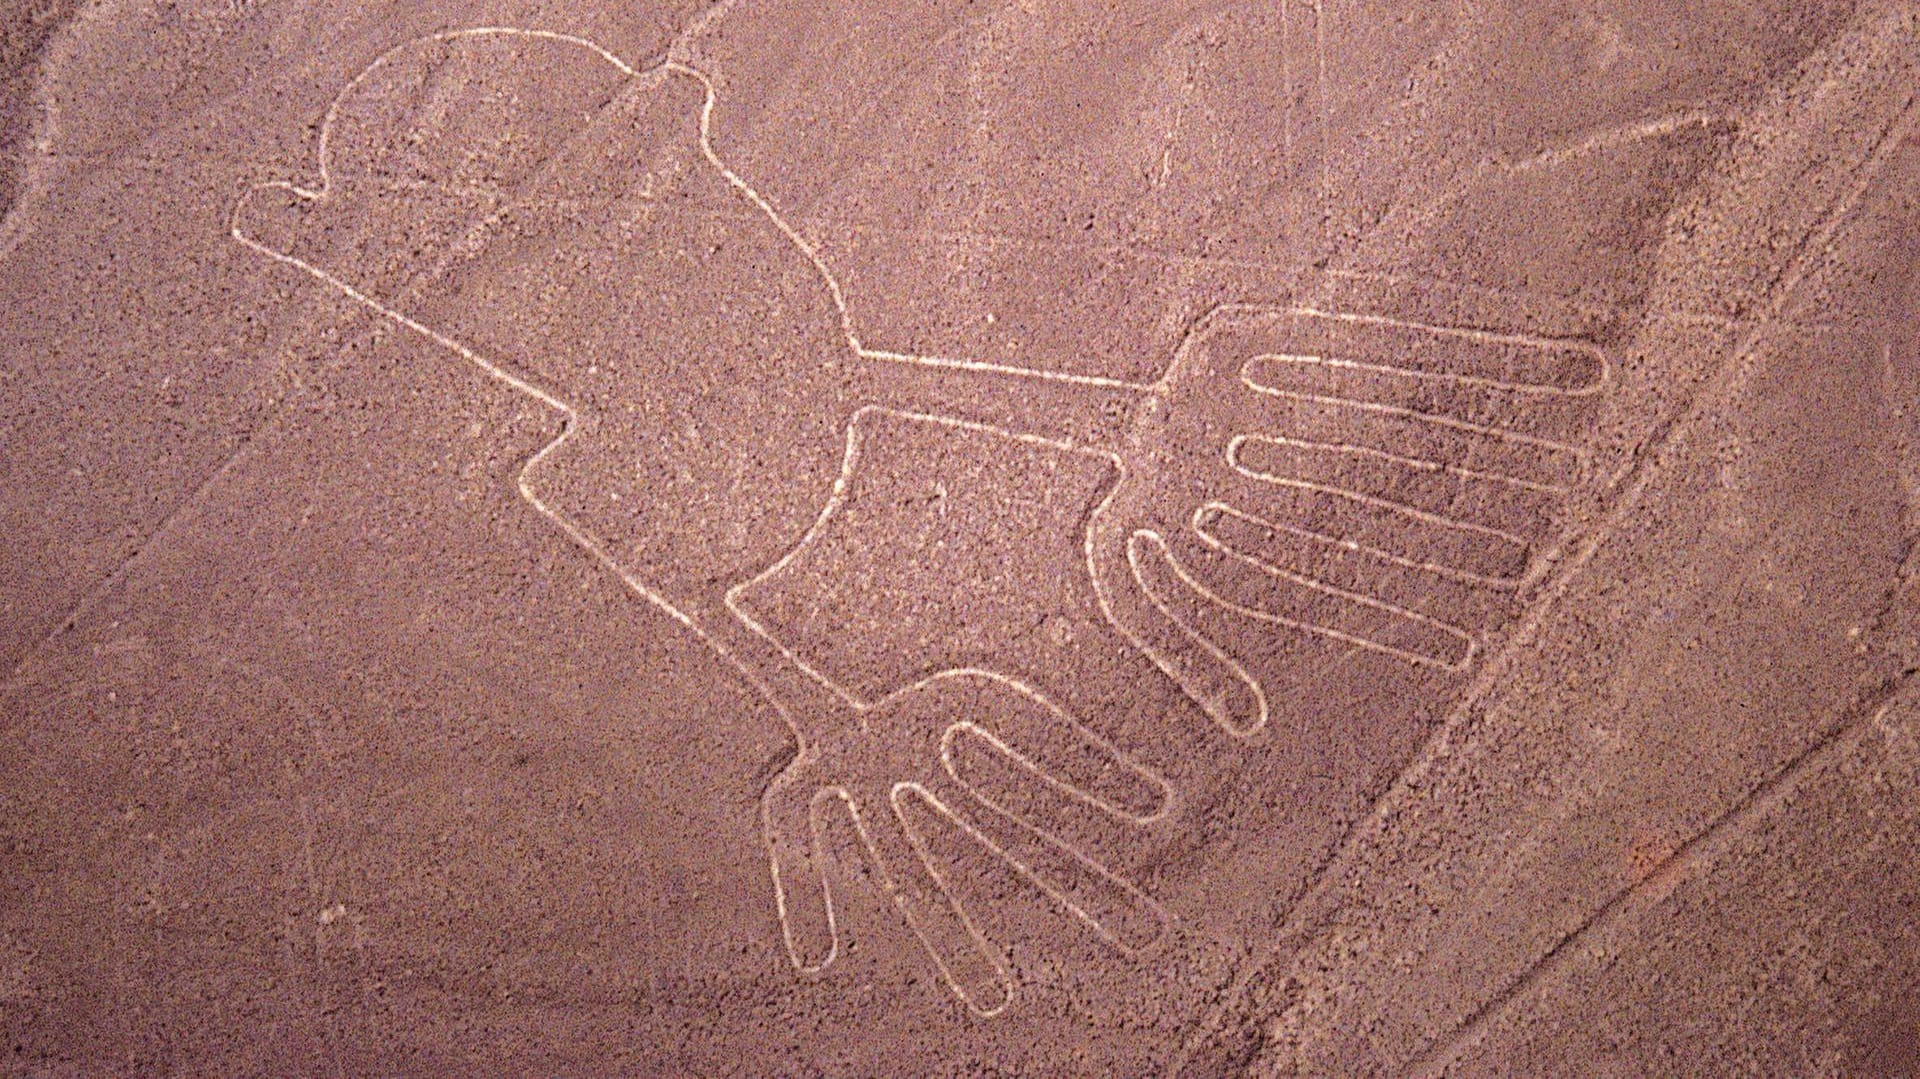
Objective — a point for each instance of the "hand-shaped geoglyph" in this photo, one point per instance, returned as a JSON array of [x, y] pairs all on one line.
[[729, 448], [555, 219], [1376, 483]]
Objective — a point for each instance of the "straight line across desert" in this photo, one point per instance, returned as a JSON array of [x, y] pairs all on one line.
[[1299, 537]]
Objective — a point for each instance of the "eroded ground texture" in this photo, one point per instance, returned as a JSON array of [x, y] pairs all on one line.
[[1326, 537]]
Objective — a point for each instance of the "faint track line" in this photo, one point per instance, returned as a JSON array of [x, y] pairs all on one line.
[[93, 596], [1771, 795]]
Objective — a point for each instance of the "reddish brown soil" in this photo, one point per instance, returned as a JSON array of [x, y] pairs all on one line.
[[776, 539]]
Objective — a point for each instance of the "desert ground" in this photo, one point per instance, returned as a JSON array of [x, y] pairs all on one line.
[[1308, 537]]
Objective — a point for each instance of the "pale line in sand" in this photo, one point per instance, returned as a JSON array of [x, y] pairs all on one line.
[[1195, 70], [1200, 588], [1182, 645], [1228, 673], [964, 819], [1211, 651], [837, 499], [1416, 219], [1391, 505], [1480, 381], [1545, 447], [1601, 379], [1499, 584], [1076, 853], [1414, 464], [1404, 413], [1449, 629], [738, 605]]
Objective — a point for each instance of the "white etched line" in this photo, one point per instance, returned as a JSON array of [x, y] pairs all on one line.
[[1040, 879], [1029, 373], [586, 541], [1315, 584], [973, 969], [1394, 371], [1230, 675], [1450, 422], [1418, 464], [985, 1001], [780, 804], [1492, 337], [1067, 790], [1388, 504], [1205, 672], [1201, 589], [832, 282], [333, 110], [1437, 569], [1617, 136], [714, 13], [735, 598]]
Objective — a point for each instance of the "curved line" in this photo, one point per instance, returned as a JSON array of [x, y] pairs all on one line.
[[817, 834], [1496, 337], [1479, 381], [1070, 790], [735, 597], [1604, 377], [1213, 651], [836, 498], [959, 909], [571, 421], [570, 416], [1152, 777], [838, 292], [1040, 880]]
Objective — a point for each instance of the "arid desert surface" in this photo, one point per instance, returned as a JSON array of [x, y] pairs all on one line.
[[1310, 537]]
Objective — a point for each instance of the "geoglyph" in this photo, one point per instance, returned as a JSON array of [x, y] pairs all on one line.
[[1299, 487]]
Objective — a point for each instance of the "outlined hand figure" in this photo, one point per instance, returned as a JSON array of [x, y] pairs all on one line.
[[1378, 485], [561, 221], [556, 218]]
